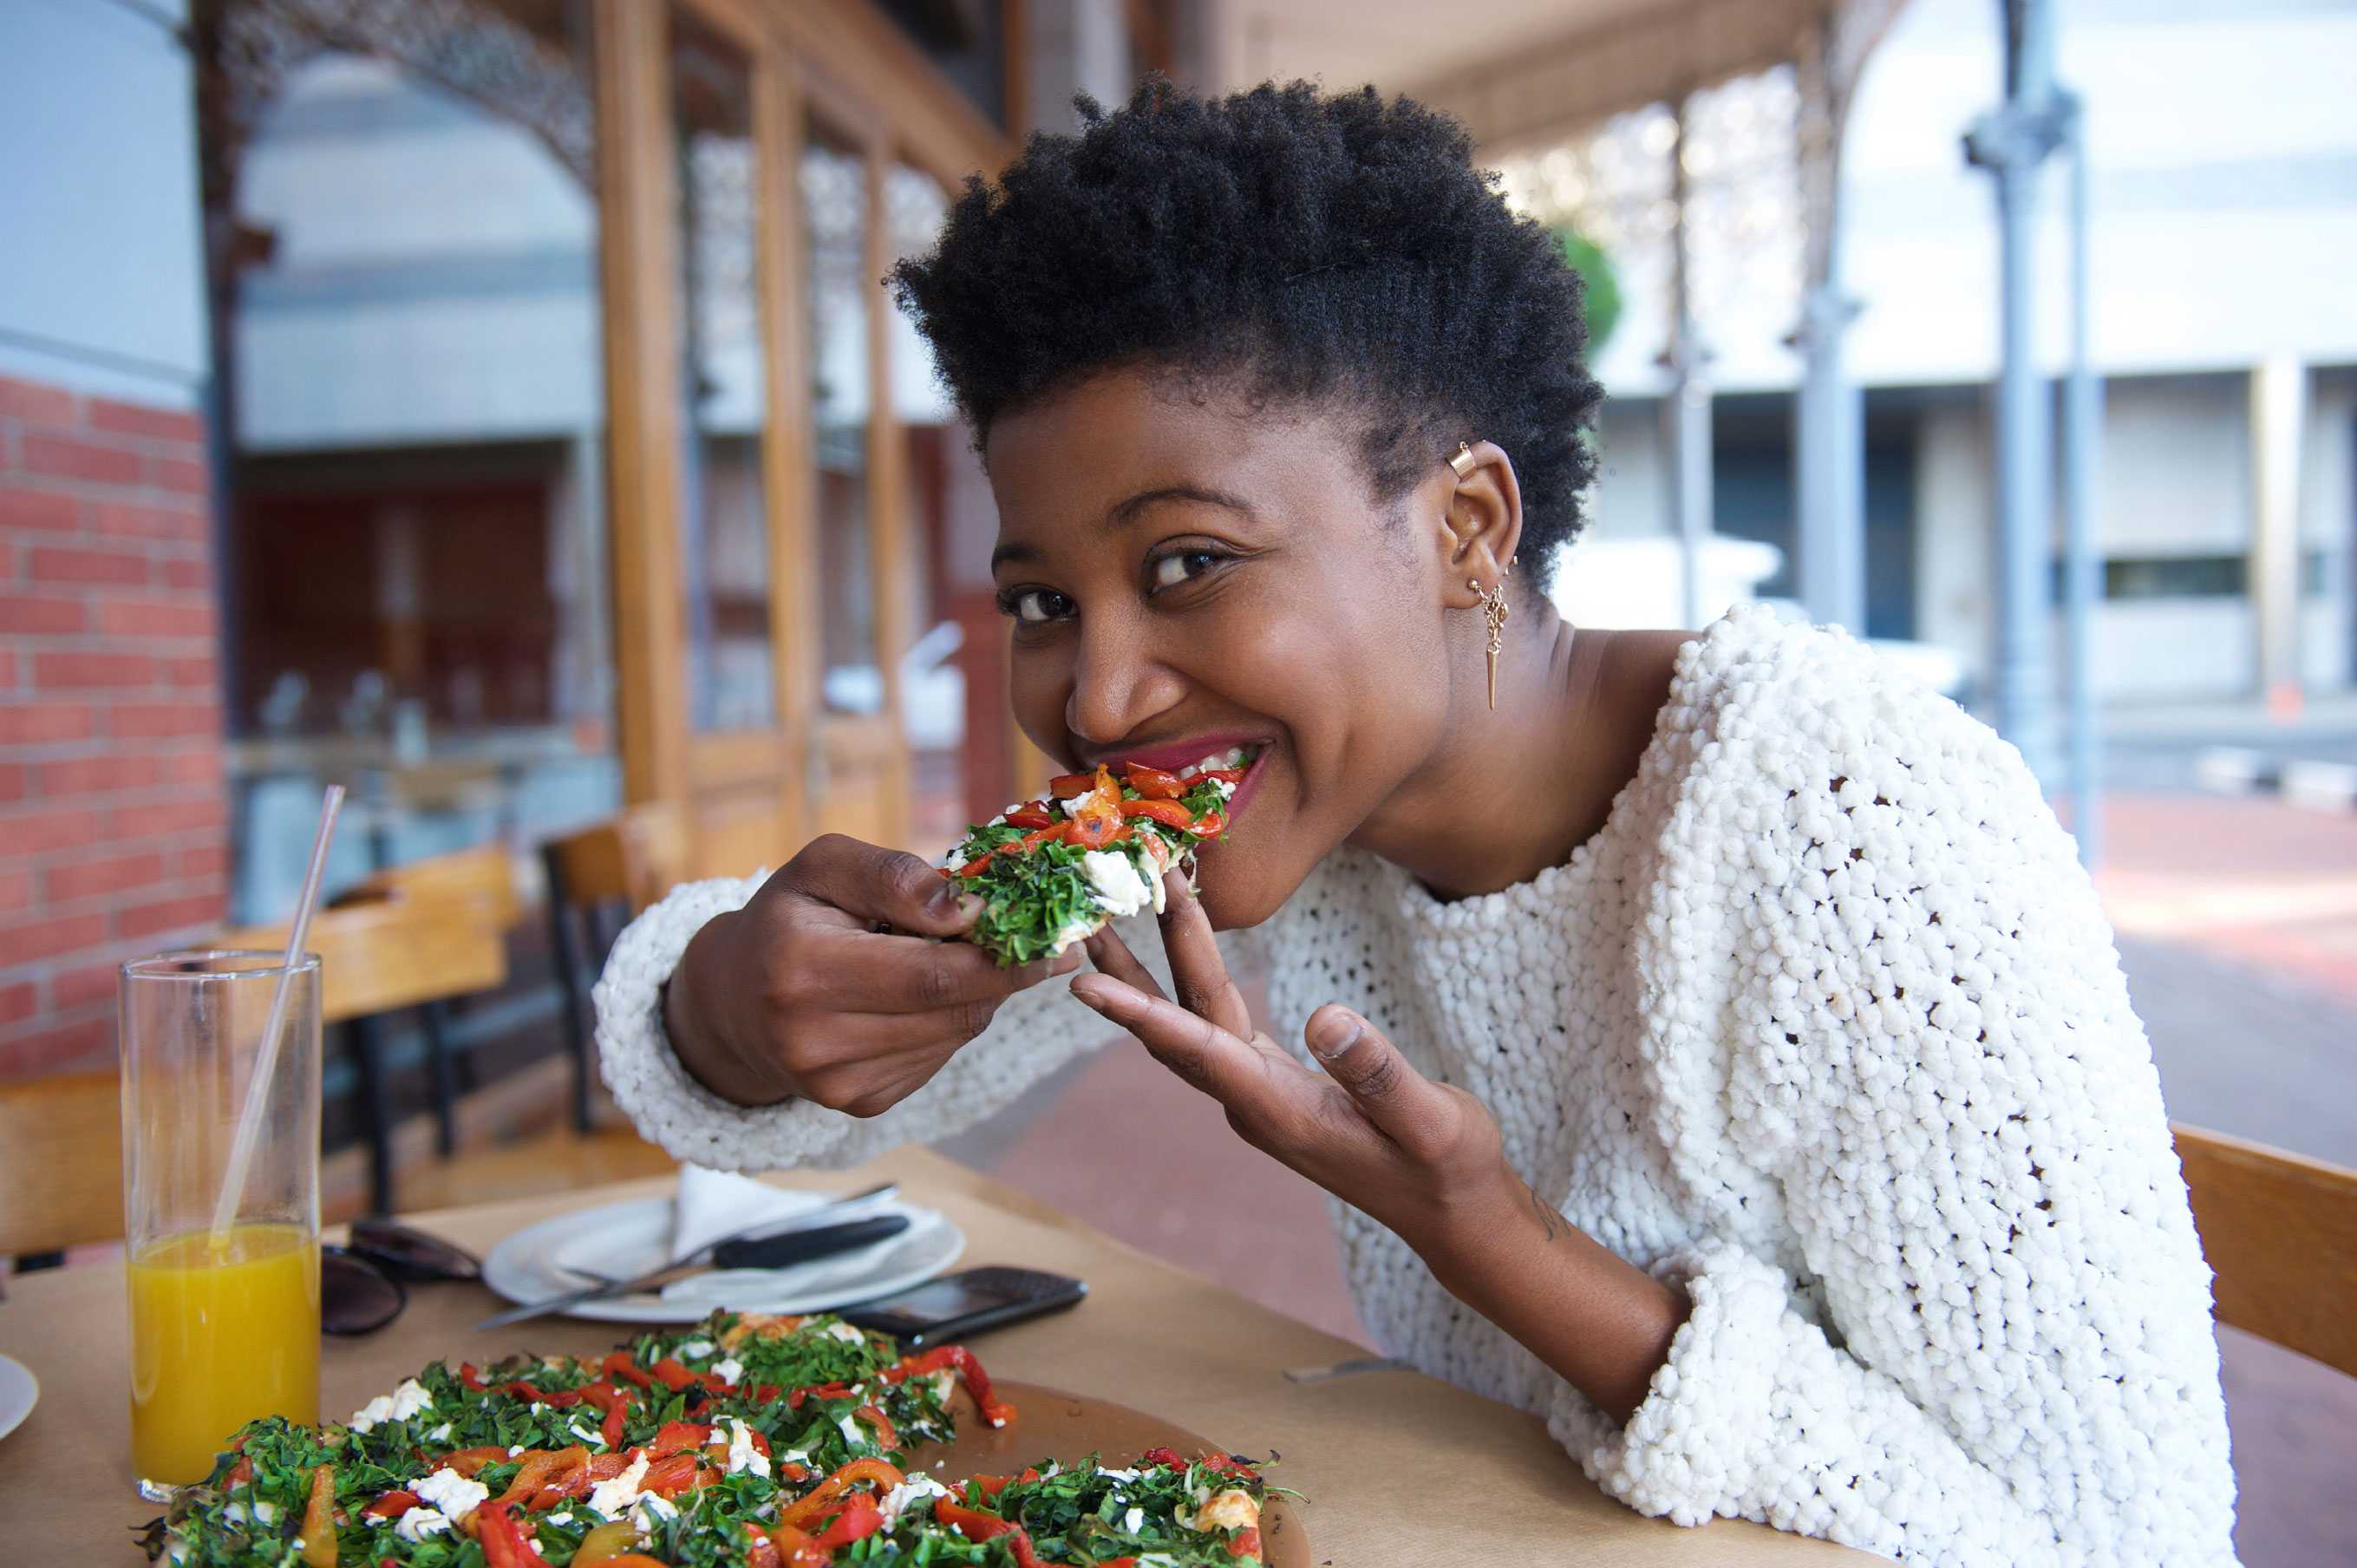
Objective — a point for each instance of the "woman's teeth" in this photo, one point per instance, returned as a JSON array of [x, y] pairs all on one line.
[[1235, 757]]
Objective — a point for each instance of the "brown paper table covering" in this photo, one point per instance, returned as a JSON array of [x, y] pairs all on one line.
[[1397, 1470]]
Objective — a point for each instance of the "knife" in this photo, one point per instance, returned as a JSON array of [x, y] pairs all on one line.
[[767, 1229]]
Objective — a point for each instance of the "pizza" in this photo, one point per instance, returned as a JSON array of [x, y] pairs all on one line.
[[1052, 872], [745, 1441]]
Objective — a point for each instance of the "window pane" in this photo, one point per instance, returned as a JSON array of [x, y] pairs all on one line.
[[723, 395], [414, 405], [838, 287]]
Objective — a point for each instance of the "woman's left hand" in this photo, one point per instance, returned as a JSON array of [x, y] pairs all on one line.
[[1424, 1159]]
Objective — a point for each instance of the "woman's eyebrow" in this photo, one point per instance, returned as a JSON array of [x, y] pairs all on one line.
[[1122, 513], [1126, 512]]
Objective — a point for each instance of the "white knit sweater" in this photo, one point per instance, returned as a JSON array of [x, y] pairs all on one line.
[[1825, 1027]]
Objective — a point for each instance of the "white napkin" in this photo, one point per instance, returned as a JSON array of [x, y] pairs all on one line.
[[713, 1204]]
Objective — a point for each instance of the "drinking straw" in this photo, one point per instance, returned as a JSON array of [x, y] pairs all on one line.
[[266, 1060]]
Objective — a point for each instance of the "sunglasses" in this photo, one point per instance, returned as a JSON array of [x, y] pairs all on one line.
[[364, 1284]]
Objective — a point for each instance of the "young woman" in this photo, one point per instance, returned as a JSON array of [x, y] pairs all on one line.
[[1723, 1019]]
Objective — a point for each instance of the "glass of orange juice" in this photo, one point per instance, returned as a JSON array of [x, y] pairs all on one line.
[[224, 1327]]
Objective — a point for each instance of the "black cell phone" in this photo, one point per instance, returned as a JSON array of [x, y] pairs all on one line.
[[961, 1306]]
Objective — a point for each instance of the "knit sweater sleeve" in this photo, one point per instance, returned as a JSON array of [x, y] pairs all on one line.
[[1032, 1034], [1991, 1342]]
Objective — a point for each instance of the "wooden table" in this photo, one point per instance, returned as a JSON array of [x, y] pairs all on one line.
[[1486, 1483]]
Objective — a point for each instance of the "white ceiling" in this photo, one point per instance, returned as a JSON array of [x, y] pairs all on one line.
[[1517, 71]]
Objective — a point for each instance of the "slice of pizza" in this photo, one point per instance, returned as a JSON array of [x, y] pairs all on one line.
[[675, 1436], [1166, 1510], [1053, 872]]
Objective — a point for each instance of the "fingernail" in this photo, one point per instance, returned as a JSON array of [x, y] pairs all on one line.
[[968, 907], [1090, 990], [1333, 1033]]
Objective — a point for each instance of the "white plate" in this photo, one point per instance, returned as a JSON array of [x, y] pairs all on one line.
[[625, 1239], [18, 1390]]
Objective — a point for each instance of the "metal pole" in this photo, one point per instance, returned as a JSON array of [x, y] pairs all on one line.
[[1828, 459], [2012, 143], [1686, 413], [2083, 426]]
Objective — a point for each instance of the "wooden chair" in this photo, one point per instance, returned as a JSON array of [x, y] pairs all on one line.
[[597, 879], [484, 875], [61, 1178], [378, 955], [2280, 1232]]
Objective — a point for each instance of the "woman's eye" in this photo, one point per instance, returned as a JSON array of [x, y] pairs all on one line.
[[1037, 607], [1172, 570]]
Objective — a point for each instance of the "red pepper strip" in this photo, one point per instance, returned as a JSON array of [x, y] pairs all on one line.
[[502, 1539], [1064, 786], [537, 1467], [239, 1474], [675, 1373], [1225, 775], [1218, 1463], [859, 1520], [884, 1436], [1054, 833], [1096, 833], [679, 1436], [1169, 811], [473, 1378], [619, 1364], [797, 1549], [610, 1429], [991, 1486], [761, 1552], [319, 1520], [979, 1525], [809, 1509], [1154, 783], [669, 1477], [816, 1391], [978, 1381], [1031, 816], [569, 1479], [1209, 825], [768, 1393], [1247, 1542], [393, 1505], [469, 1462]]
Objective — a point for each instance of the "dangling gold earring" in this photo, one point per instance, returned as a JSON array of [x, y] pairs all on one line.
[[1494, 610]]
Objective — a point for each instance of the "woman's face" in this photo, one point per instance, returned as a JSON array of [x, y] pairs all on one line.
[[1186, 577]]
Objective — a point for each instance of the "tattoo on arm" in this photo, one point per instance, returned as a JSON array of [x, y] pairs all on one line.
[[1550, 1220]]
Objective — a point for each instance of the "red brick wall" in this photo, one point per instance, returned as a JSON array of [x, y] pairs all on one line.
[[114, 812]]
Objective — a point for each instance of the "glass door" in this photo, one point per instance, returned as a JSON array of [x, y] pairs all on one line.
[[856, 757]]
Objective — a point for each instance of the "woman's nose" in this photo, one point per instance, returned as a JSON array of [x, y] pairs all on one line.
[[1117, 688]]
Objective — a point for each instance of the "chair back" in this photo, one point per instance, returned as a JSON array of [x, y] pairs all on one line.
[[2280, 1232], [62, 1179], [377, 954], [486, 873], [634, 857]]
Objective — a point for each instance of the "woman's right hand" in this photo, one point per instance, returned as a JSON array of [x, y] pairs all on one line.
[[800, 995]]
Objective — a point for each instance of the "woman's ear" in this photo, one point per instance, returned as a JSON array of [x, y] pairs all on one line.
[[1481, 521]]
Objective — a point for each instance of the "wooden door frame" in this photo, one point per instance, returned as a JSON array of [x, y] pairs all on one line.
[[845, 63]]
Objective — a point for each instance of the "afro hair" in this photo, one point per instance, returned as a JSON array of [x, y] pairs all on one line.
[[1334, 251]]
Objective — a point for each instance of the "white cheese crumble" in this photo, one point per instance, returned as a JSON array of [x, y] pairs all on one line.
[[451, 1492], [365, 1419], [848, 1334], [742, 1454], [697, 1347], [440, 1434], [730, 1371], [916, 1489], [1083, 799], [420, 1522], [409, 1399], [1114, 877], [593, 1437], [563, 1518], [613, 1497], [851, 1431], [650, 1510], [1117, 1475], [1134, 1520]]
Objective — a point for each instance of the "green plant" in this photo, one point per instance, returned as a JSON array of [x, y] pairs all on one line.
[[1601, 286]]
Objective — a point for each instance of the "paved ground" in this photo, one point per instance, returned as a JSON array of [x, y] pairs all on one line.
[[2238, 929]]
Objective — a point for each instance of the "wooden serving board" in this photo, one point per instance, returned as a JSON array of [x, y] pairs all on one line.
[[1052, 1424]]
